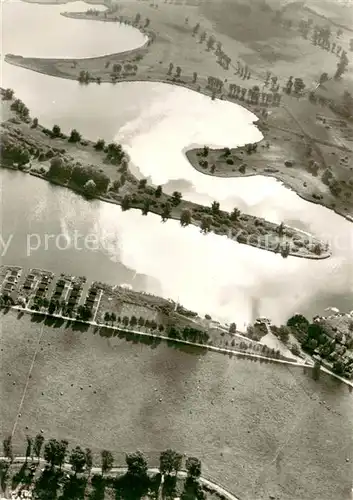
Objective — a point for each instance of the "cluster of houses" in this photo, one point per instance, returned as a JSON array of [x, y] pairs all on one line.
[[92, 296], [11, 276]]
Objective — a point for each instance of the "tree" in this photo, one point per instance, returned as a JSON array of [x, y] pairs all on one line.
[[341, 66], [126, 321], [146, 206], [89, 460], [169, 461], [90, 188], [158, 192], [141, 321], [215, 207], [8, 94], [323, 78], [126, 202], [55, 452], [206, 224], [316, 370], [142, 183], [99, 145], [7, 447], [193, 467], [170, 69], [77, 460], [232, 328], [106, 316], [136, 465], [29, 447], [38, 444], [299, 85], [194, 77], [133, 321], [298, 321], [196, 29], [107, 461], [56, 131], [185, 217], [113, 317], [176, 198], [75, 136], [35, 123], [235, 214], [166, 212], [51, 451], [178, 72]]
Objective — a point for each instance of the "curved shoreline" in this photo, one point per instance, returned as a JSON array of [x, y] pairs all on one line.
[[279, 179]]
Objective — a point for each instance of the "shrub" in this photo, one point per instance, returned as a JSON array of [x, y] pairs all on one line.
[[230, 161], [75, 136], [99, 145]]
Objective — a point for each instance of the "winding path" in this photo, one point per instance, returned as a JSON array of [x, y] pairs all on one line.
[[210, 483]]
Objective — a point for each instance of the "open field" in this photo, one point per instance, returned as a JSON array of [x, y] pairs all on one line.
[[258, 428]]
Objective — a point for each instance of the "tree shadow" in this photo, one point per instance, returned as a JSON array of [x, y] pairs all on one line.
[[98, 487], [20, 314], [77, 326], [4, 474], [54, 322], [47, 485], [169, 489], [74, 488], [128, 487], [24, 476], [37, 317]]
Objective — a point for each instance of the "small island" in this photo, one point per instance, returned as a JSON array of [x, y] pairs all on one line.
[[62, 160]]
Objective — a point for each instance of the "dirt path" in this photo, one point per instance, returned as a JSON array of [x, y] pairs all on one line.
[[27, 381]]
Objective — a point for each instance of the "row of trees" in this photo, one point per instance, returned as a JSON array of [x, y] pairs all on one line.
[[56, 453], [132, 321]]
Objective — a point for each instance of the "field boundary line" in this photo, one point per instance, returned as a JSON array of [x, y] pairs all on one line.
[[27, 381]]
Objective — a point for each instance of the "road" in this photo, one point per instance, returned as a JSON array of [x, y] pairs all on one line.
[[154, 470]]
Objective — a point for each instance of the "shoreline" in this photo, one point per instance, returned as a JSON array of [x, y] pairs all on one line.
[[175, 218], [279, 179], [222, 350]]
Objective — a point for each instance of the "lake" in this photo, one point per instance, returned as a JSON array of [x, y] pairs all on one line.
[[156, 123]]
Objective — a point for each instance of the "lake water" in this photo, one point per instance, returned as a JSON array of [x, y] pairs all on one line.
[[156, 122]]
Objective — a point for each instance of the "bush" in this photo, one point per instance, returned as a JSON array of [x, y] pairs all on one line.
[[59, 170], [99, 145], [230, 161], [75, 136], [80, 175]]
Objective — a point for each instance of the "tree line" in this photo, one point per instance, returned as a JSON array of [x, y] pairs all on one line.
[[137, 478]]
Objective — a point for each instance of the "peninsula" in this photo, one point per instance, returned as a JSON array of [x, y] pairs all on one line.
[[61, 159]]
